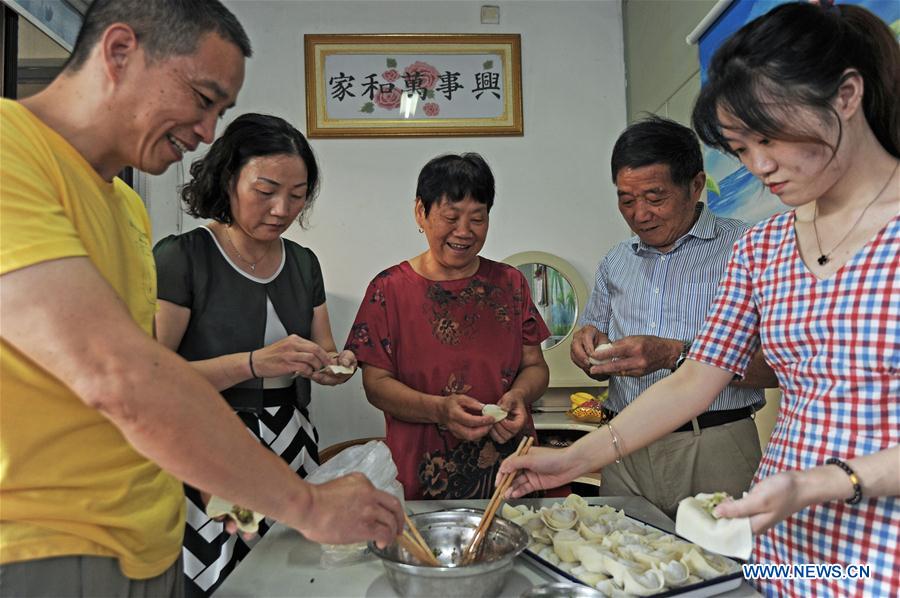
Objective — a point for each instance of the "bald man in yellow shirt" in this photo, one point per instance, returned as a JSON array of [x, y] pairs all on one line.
[[98, 422]]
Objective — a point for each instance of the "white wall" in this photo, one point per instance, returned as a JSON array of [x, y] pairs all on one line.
[[553, 187], [662, 70]]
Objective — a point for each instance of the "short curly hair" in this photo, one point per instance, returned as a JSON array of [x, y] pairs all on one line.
[[454, 177], [248, 136]]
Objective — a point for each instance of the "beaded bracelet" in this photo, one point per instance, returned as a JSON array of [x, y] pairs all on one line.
[[252, 371], [615, 441], [854, 479]]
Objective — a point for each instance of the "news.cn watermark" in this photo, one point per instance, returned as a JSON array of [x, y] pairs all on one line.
[[805, 571]]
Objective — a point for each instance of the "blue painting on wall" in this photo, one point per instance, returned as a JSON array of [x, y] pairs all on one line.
[[731, 190]]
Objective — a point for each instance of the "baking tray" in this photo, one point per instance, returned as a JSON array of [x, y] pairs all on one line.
[[707, 587]]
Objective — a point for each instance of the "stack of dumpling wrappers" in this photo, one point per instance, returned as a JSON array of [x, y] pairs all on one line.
[[613, 553]]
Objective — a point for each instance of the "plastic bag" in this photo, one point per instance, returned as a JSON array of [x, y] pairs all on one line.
[[372, 459]]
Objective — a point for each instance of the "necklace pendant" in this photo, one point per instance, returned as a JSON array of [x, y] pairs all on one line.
[[823, 259], [253, 266]]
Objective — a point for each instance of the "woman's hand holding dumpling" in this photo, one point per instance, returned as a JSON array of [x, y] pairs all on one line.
[[291, 355], [458, 415], [344, 366], [771, 500], [513, 402]]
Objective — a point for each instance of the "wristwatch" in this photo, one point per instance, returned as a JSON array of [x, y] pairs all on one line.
[[685, 347]]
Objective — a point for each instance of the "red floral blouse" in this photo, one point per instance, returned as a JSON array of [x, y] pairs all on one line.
[[441, 338]]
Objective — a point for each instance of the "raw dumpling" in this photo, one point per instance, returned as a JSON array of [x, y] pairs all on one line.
[[695, 521], [601, 347], [523, 516], [646, 556], [593, 558], [706, 566], [628, 525], [511, 513], [672, 544], [593, 514], [518, 514], [618, 538], [676, 573], [542, 534], [495, 411], [559, 518], [613, 565], [588, 577], [564, 543], [643, 584], [609, 588], [573, 501], [594, 532], [247, 520], [548, 555]]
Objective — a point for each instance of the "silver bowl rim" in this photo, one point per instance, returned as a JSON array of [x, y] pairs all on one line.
[[563, 588], [420, 569]]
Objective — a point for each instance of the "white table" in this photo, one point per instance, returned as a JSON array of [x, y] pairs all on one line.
[[284, 563]]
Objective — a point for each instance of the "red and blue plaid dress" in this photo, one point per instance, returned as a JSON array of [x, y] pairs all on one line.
[[835, 346]]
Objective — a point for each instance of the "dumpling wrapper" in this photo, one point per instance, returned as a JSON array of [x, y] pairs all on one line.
[[601, 347], [334, 369], [338, 369], [730, 537], [219, 506], [495, 411]]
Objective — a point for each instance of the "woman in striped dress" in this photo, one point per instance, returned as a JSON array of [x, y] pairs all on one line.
[[247, 308], [808, 98]]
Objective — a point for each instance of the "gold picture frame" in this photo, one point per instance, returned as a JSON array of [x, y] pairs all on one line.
[[413, 85]]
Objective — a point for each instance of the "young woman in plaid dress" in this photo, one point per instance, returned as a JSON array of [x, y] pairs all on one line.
[[807, 98]]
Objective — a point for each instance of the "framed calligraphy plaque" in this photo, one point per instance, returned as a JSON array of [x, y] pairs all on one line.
[[412, 85]]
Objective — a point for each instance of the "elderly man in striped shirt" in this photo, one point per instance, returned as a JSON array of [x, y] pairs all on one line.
[[649, 300]]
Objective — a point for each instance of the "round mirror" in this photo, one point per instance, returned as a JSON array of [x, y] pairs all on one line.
[[555, 299], [559, 294]]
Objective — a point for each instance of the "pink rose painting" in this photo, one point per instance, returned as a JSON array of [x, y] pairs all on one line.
[[423, 74], [431, 109], [388, 99], [390, 75]]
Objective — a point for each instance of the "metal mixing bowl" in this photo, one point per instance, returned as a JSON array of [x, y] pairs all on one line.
[[448, 533]]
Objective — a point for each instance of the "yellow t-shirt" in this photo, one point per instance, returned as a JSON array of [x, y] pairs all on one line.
[[70, 484]]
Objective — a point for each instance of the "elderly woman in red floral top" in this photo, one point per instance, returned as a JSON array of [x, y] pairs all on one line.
[[445, 333]]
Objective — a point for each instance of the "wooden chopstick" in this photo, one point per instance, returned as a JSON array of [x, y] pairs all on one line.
[[496, 495], [487, 519], [417, 539], [415, 532], [408, 543], [496, 500]]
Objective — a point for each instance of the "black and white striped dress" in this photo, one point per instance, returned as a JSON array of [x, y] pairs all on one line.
[[233, 312], [210, 553]]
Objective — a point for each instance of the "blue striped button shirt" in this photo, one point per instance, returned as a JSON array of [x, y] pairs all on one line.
[[639, 290]]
